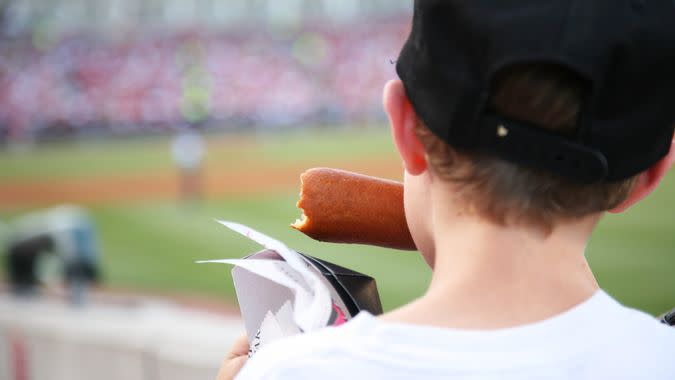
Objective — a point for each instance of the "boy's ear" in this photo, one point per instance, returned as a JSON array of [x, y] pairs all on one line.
[[648, 180], [403, 120]]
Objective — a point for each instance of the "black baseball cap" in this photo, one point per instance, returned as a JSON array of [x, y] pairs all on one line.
[[623, 49]]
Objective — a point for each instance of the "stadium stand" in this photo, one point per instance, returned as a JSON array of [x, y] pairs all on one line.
[[82, 82]]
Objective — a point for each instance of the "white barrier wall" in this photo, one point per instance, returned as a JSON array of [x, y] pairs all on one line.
[[4, 355], [147, 341]]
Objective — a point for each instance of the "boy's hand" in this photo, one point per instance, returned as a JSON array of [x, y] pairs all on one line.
[[235, 359]]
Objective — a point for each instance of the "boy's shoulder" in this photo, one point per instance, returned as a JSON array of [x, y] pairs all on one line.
[[282, 358], [640, 333], [635, 345], [600, 339]]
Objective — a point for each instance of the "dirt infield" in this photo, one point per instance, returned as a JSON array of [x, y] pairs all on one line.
[[217, 182]]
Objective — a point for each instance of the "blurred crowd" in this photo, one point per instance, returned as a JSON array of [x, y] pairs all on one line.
[[85, 85]]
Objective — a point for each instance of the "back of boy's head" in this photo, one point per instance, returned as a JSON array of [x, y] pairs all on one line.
[[532, 109]]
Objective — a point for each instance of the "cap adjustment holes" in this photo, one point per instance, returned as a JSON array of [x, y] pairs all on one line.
[[502, 131], [520, 144]]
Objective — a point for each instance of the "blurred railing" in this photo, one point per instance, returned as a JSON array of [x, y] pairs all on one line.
[[147, 340]]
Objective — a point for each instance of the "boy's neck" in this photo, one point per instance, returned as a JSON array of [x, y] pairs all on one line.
[[488, 276]]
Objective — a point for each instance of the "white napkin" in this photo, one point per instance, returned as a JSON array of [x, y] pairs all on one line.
[[312, 304]]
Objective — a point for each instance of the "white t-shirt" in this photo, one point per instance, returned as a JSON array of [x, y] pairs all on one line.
[[598, 339]]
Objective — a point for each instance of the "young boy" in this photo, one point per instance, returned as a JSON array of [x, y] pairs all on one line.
[[519, 124]]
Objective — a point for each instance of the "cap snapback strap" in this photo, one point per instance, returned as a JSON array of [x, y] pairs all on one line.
[[530, 146]]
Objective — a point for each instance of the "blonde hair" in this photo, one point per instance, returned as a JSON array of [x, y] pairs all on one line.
[[544, 95]]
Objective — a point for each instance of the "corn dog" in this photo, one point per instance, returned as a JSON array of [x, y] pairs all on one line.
[[344, 207]]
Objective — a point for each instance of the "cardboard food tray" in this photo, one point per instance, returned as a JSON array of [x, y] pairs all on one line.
[[358, 291]]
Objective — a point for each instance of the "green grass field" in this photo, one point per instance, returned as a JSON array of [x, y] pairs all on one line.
[[153, 245], [104, 158]]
